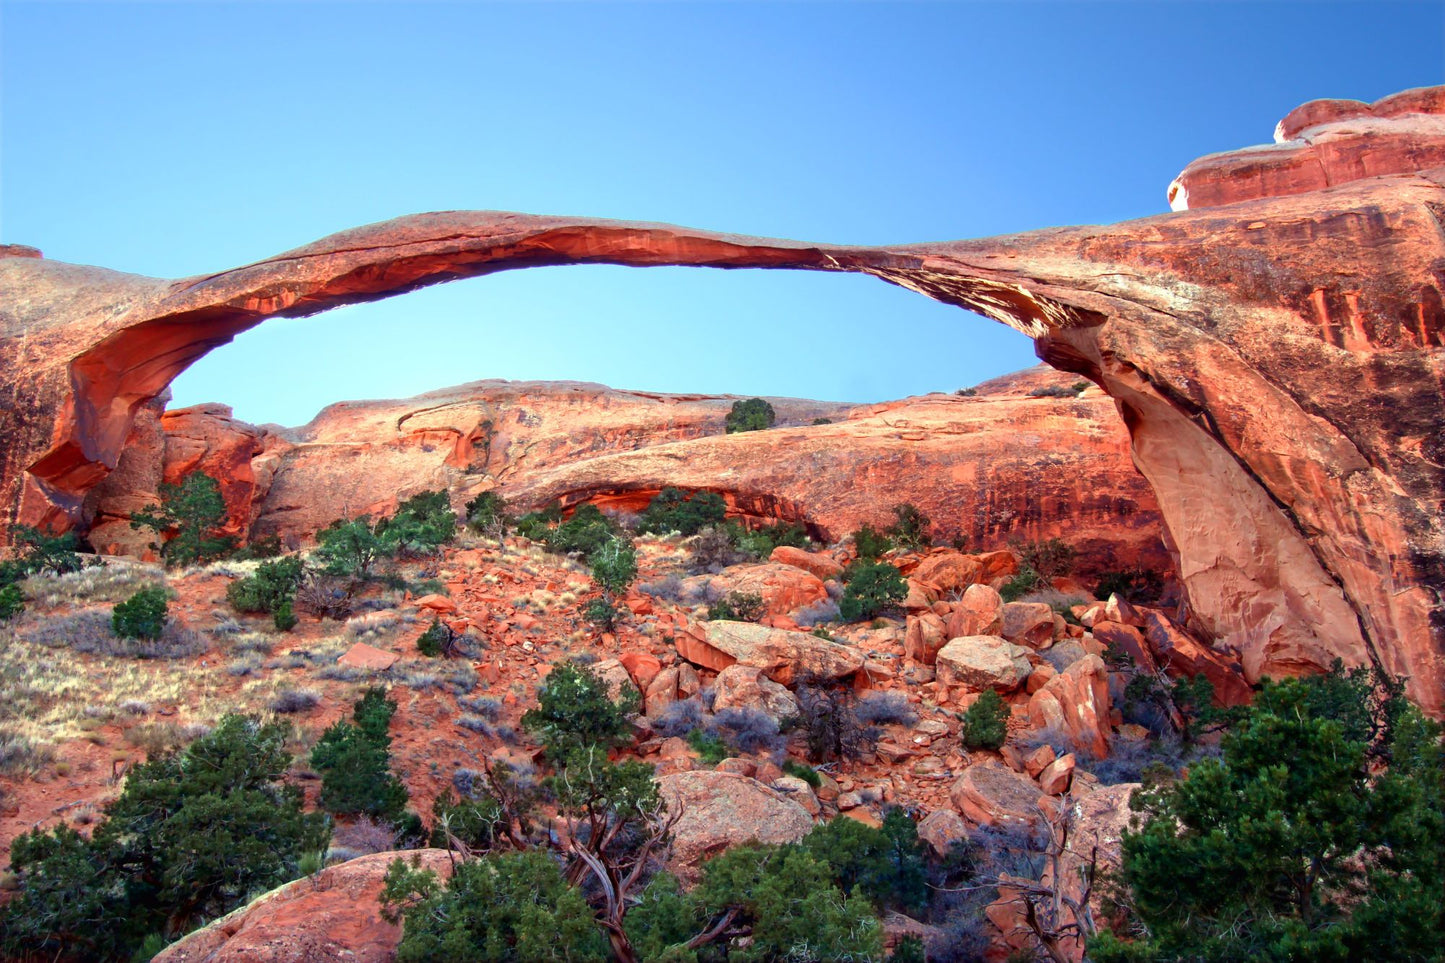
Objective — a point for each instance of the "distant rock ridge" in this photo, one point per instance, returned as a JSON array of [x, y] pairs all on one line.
[[1002, 465], [1276, 350]]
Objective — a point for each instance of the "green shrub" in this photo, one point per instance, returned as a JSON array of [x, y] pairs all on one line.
[[755, 414], [870, 543], [487, 514], [421, 525], [142, 616], [584, 533], [910, 528], [791, 903], [39, 551], [1138, 585], [354, 760], [274, 583], [985, 723], [1026, 581], [436, 641], [1053, 391], [504, 906], [191, 837], [1049, 558], [12, 602], [804, 772], [350, 548], [536, 525], [884, 864], [574, 710], [472, 822], [192, 512], [872, 588], [709, 746], [759, 542], [687, 513], [909, 949], [284, 618], [966, 392], [822, 421], [614, 565], [602, 613], [372, 714], [738, 607]]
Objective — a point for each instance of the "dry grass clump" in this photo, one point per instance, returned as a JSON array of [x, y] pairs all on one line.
[[248, 664], [22, 755], [374, 627], [252, 643], [115, 581], [423, 674], [288, 701], [157, 739], [49, 694], [227, 567], [90, 633], [344, 673]]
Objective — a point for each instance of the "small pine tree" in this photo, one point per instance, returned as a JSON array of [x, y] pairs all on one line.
[[354, 760], [870, 543], [350, 548], [193, 512], [985, 724], [192, 836], [574, 710], [872, 588], [436, 641], [487, 515], [142, 616]]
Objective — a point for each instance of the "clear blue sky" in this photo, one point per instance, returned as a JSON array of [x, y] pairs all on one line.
[[178, 138]]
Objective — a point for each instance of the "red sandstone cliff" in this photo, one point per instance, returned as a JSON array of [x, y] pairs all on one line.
[[999, 466], [1277, 360]]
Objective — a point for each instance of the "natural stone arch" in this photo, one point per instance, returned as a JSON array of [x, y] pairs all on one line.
[[1277, 361]]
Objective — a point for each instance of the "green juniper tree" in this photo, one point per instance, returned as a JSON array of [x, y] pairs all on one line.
[[1319, 835], [192, 513]]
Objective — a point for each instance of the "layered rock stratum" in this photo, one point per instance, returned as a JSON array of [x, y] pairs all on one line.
[[1276, 348]]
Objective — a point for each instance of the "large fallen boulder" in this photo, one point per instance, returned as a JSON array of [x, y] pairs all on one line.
[[783, 654], [1182, 655], [747, 687], [978, 662], [333, 916], [722, 809], [783, 588], [819, 565], [1028, 623], [924, 635], [947, 572], [991, 794], [1076, 701], [979, 612]]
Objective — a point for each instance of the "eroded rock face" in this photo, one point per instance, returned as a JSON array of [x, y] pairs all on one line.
[[1277, 359]]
